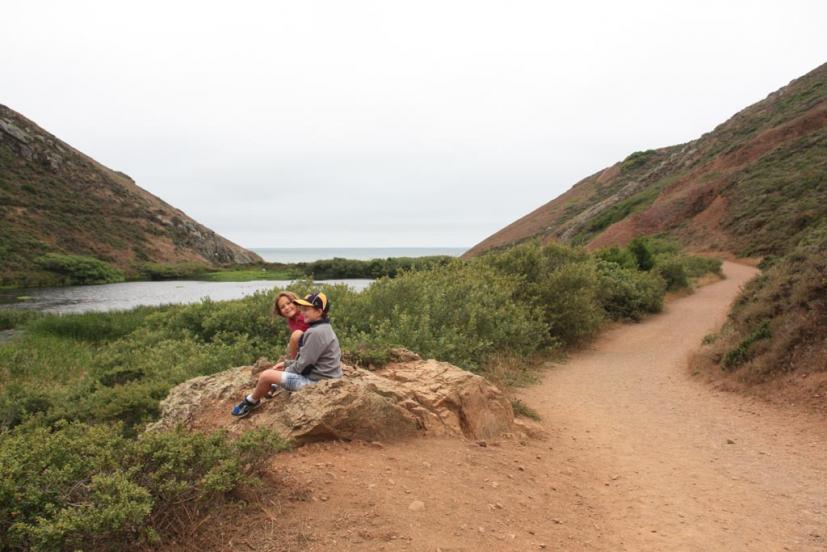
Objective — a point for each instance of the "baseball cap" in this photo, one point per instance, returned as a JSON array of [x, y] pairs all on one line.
[[316, 300]]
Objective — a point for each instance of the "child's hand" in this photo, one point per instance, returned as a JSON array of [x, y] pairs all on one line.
[[279, 367]]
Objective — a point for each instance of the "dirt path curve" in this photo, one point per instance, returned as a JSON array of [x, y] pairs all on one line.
[[677, 466], [637, 456]]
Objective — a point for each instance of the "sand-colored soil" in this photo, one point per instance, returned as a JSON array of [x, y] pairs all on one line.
[[637, 455]]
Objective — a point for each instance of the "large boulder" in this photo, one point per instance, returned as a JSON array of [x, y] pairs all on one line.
[[403, 399]]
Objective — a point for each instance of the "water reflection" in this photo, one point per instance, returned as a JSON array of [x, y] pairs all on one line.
[[128, 295]]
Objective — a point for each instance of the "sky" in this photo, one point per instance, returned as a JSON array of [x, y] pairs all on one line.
[[387, 123]]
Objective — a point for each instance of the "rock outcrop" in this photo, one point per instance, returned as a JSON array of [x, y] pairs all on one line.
[[403, 399]]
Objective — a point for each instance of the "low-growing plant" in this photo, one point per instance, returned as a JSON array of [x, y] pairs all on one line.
[[16, 318], [740, 353], [86, 486], [522, 409], [174, 271], [80, 270]]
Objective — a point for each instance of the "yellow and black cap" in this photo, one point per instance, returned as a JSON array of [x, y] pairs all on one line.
[[315, 300]]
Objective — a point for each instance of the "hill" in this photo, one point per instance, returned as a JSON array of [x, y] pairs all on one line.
[[55, 199], [755, 186]]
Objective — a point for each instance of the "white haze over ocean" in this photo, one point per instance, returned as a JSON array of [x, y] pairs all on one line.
[[387, 124]]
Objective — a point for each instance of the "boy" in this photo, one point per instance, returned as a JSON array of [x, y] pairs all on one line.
[[319, 356]]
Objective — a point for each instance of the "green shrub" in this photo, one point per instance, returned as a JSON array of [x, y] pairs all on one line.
[[80, 270], [82, 486], [637, 160], [629, 294], [561, 281], [620, 256], [698, 266], [175, 271], [673, 271], [643, 254], [457, 312]]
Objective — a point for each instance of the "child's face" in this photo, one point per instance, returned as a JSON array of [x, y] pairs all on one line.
[[310, 314], [286, 307]]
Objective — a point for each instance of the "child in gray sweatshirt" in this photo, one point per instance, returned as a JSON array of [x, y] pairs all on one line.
[[319, 356]]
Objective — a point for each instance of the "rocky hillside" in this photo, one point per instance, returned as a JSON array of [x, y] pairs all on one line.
[[54, 199], [753, 186]]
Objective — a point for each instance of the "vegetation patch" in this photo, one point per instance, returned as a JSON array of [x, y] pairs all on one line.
[[776, 324], [76, 391], [636, 160], [522, 409], [80, 270]]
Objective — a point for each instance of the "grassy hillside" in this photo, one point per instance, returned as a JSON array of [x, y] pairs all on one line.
[[754, 186], [54, 199]]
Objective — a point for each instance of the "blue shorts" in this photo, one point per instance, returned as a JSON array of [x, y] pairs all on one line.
[[294, 382]]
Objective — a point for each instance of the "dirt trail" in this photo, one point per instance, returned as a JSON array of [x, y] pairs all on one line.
[[637, 456]]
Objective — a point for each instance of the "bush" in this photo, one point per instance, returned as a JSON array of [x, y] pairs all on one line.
[[81, 486], [561, 281], [80, 270], [620, 256], [643, 254], [629, 294], [176, 271], [459, 313], [673, 271], [698, 266]]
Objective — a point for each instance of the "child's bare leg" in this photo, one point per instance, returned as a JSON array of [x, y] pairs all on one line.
[[293, 344], [265, 380]]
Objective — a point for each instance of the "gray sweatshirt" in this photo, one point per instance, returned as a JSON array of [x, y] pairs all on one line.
[[319, 354]]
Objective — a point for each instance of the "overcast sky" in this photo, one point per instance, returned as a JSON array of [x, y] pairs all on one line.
[[348, 123]]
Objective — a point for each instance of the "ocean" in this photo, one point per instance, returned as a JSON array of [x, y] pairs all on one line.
[[309, 254]]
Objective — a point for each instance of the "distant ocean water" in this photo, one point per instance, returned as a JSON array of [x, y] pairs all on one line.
[[309, 254]]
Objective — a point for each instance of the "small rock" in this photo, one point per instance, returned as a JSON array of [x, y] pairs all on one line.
[[730, 442], [416, 506], [377, 444], [482, 443]]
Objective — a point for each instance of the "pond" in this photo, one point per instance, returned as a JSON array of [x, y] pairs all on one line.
[[128, 295]]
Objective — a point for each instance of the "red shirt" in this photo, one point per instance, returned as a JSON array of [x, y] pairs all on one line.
[[297, 323]]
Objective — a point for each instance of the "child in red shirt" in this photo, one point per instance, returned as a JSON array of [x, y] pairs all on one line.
[[283, 306]]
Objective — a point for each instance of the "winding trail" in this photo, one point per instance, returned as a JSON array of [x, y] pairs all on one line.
[[636, 455], [677, 465]]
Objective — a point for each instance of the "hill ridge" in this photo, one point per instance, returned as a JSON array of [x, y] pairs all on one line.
[[666, 189], [55, 198]]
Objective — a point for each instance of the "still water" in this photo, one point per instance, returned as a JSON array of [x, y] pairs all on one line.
[[128, 295], [310, 254]]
